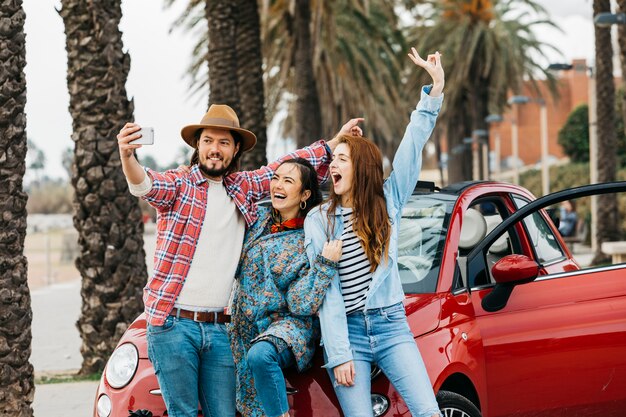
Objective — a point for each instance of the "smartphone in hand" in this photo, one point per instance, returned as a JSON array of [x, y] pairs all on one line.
[[147, 137]]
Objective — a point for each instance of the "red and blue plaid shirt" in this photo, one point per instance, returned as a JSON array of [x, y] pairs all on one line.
[[180, 201]]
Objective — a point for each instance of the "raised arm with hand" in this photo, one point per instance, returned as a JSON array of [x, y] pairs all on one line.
[[351, 127], [133, 171], [407, 161], [432, 65]]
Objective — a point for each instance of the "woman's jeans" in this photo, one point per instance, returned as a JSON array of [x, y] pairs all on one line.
[[266, 364], [193, 363], [382, 337]]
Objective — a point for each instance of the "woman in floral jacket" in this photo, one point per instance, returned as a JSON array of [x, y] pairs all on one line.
[[273, 323]]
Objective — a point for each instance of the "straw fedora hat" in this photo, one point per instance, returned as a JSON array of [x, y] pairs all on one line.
[[220, 116]]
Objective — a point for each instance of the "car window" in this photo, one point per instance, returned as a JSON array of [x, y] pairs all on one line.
[[422, 235], [492, 211], [545, 244]]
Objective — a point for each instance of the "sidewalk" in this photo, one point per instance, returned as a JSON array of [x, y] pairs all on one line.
[[56, 341], [56, 349]]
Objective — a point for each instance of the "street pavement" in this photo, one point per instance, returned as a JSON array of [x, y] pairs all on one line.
[[56, 350], [56, 345]]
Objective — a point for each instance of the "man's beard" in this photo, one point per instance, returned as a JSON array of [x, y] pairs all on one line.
[[213, 172]]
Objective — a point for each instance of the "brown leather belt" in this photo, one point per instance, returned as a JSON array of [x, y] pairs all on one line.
[[201, 316]]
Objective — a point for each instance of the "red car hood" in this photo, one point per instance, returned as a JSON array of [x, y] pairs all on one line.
[[423, 312], [136, 334]]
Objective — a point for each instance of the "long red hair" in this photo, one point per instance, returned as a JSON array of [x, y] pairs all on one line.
[[371, 221]]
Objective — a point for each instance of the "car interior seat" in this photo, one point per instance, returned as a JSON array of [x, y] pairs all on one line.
[[473, 230]]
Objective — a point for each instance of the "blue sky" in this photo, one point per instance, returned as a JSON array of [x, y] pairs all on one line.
[[158, 62]]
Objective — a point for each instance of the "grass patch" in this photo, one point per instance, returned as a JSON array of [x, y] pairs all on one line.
[[67, 377]]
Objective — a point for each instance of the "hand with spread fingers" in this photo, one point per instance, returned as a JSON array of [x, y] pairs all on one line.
[[432, 65]]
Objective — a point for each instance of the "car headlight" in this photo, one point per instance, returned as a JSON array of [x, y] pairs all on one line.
[[380, 404], [122, 365], [104, 406]]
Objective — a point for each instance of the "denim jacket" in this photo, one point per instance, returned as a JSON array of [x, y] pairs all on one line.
[[386, 288]]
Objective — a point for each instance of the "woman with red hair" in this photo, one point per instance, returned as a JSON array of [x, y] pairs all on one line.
[[362, 317]]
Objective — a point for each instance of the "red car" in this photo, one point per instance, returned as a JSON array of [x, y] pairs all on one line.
[[507, 322]]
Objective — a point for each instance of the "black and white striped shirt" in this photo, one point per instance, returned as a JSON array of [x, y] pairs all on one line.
[[354, 267]]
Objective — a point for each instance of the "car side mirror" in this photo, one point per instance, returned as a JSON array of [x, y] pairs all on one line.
[[508, 272], [515, 269]]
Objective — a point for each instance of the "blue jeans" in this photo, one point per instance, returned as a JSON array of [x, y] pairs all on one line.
[[193, 363], [266, 365], [382, 337]]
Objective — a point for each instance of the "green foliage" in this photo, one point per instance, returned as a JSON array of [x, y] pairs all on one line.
[[61, 378], [488, 46], [574, 135]]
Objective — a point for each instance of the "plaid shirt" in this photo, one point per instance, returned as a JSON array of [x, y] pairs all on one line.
[[180, 201]]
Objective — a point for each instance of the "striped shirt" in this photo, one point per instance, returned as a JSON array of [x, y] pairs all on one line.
[[354, 267]]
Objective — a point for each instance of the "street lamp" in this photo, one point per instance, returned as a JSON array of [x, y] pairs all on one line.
[[479, 149], [560, 67], [491, 120], [606, 19]]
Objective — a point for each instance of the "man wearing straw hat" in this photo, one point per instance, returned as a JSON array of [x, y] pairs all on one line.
[[202, 216]]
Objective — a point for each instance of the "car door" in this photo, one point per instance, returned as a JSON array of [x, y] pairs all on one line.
[[558, 346]]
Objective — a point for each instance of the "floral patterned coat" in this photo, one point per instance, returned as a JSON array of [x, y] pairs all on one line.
[[278, 296]]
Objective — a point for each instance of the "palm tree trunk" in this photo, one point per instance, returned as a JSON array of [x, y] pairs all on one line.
[[459, 154], [17, 387], [222, 56], [605, 89], [621, 41], [250, 80], [108, 219], [308, 115], [235, 68]]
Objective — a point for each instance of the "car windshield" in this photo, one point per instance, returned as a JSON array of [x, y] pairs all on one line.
[[422, 236]]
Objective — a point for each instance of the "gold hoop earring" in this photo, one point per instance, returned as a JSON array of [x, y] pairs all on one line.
[[302, 208]]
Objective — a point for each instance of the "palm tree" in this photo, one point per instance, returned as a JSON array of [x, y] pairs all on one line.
[[108, 219], [354, 59], [357, 50], [17, 386], [606, 210], [308, 115], [491, 49], [250, 79], [230, 44]]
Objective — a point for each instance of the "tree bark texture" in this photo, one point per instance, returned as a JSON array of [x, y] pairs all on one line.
[[250, 80], [621, 41], [606, 163], [308, 115], [235, 68], [108, 219], [222, 56], [459, 153], [17, 387]]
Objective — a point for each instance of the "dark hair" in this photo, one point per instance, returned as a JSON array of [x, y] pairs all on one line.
[[308, 177], [234, 164]]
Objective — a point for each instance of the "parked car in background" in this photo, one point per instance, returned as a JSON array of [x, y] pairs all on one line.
[[507, 322]]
